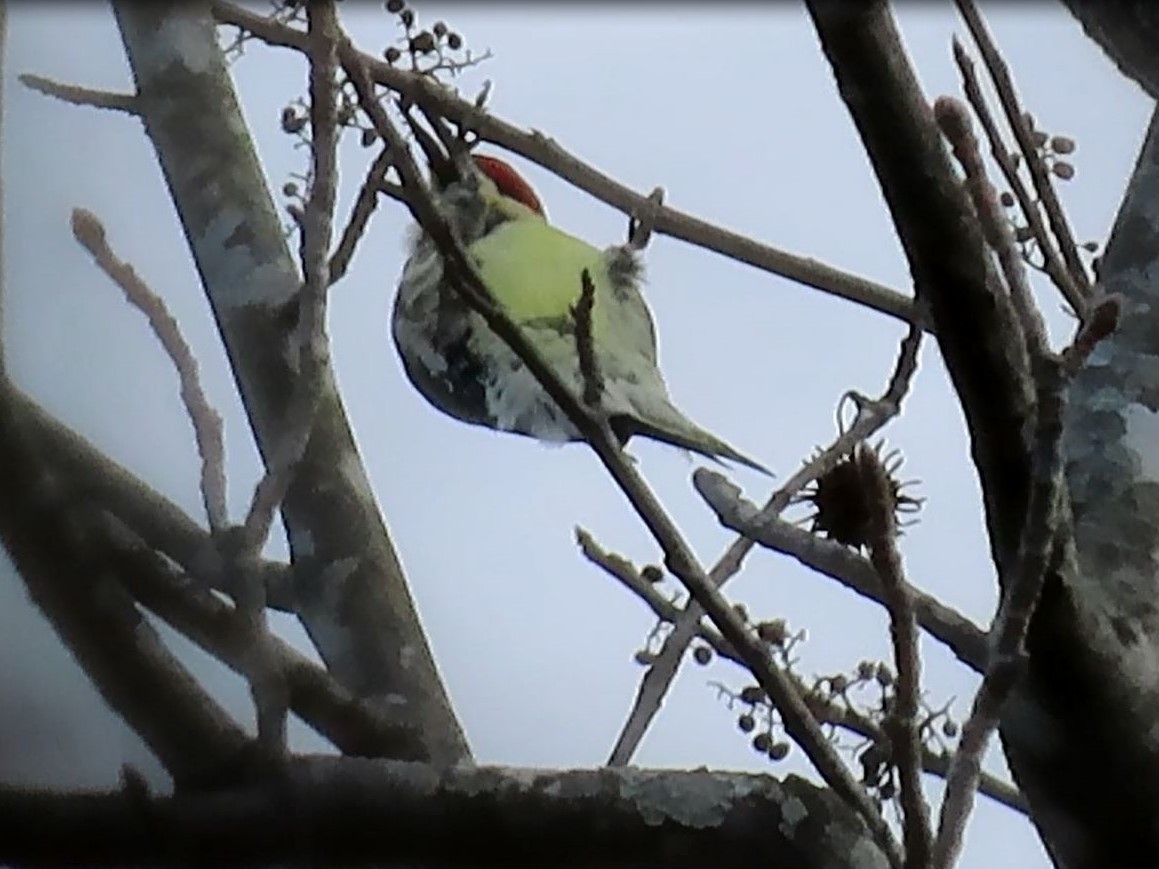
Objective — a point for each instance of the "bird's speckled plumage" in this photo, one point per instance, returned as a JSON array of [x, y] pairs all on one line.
[[533, 269]]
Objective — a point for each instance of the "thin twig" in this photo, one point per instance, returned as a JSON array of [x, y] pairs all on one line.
[[267, 682], [1101, 323], [954, 121], [871, 416], [826, 711], [466, 282], [82, 96], [1004, 85], [1059, 275], [317, 227], [593, 379], [360, 215], [90, 233], [544, 151], [1035, 551], [902, 724]]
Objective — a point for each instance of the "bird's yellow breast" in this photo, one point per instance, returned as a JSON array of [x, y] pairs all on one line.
[[535, 270]]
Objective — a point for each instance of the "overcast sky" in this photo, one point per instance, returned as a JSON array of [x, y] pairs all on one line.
[[733, 110]]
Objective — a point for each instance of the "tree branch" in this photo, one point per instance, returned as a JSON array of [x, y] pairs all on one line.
[[1015, 117], [348, 811], [590, 373], [72, 579], [872, 415], [976, 327], [945, 624], [1012, 622], [1055, 269], [161, 524], [1090, 680], [826, 711], [544, 151], [350, 591], [90, 233], [1127, 31], [354, 727], [360, 214], [81, 96], [901, 724], [953, 120]]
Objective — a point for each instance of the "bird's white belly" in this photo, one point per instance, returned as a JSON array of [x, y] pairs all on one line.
[[518, 403]]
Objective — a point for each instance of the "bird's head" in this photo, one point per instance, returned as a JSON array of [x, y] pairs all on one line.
[[508, 183], [454, 168]]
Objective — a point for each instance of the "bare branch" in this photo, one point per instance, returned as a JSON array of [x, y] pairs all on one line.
[[354, 727], [71, 577], [871, 416], [81, 96], [977, 330], [828, 557], [1055, 268], [351, 592], [248, 587], [267, 682], [109, 487], [1002, 792], [364, 205], [826, 711], [902, 723], [954, 122], [150, 524], [624, 572], [90, 233], [1101, 323], [544, 151], [1008, 659], [1004, 85], [354, 812]]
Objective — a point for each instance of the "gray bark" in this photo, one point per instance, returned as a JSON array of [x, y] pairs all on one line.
[[1079, 731], [351, 594], [1085, 722], [1128, 32], [333, 811]]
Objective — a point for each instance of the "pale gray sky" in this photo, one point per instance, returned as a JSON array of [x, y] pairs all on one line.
[[731, 109]]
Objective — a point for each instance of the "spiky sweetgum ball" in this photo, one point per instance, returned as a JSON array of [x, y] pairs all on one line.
[[843, 508], [848, 499]]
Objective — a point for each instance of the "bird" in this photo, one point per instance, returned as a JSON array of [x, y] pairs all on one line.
[[533, 270]]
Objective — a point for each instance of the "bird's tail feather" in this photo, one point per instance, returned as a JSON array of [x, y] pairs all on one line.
[[689, 436]]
